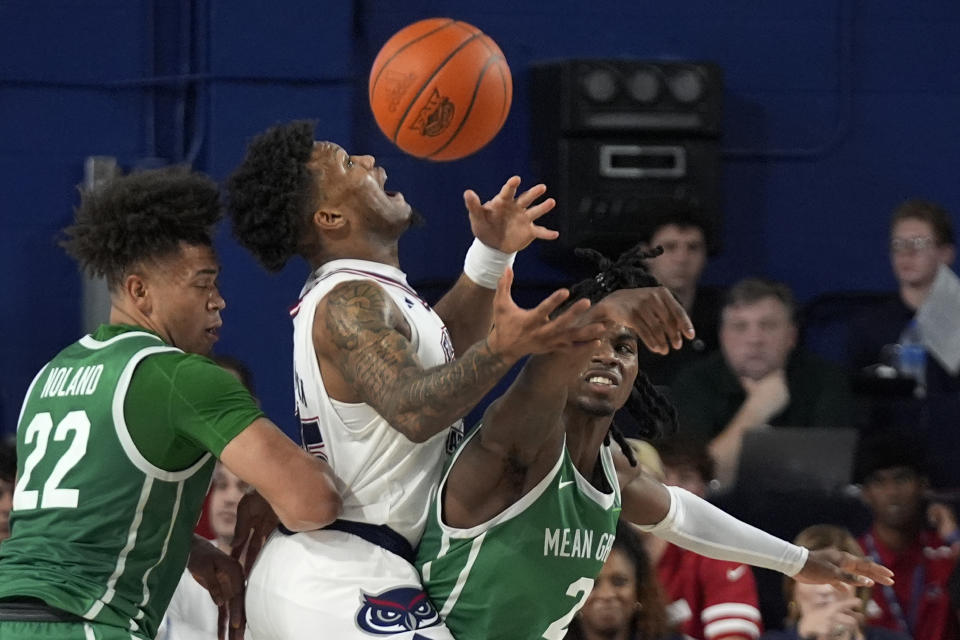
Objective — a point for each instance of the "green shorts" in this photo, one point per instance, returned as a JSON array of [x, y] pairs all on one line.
[[15, 630]]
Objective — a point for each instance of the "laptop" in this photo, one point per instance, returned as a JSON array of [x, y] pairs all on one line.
[[790, 459]]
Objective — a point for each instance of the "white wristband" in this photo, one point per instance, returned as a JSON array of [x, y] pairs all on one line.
[[484, 265]]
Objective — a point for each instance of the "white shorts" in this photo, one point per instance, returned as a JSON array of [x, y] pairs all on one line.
[[332, 584]]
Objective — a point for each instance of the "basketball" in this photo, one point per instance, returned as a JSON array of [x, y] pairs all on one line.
[[440, 89]]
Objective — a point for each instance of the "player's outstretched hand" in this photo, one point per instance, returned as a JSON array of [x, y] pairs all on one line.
[[839, 567], [256, 520], [519, 332], [222, 576], [659, 320], [507, 221]]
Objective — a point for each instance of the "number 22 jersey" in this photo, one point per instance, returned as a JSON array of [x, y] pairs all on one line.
[[100, 527]]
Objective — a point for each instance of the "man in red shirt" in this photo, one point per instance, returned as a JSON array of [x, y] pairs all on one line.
[[708, 599], [917, 541]]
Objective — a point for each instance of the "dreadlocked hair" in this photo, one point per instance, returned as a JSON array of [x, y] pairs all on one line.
[[141, 216], [269, 196], [654, 414]]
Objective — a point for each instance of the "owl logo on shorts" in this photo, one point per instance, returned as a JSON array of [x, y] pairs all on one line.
[[396, 611]]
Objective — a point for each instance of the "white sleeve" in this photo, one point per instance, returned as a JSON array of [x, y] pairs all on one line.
[[695, 524]]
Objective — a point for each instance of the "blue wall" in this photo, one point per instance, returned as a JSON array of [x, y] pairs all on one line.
[[835, 111]]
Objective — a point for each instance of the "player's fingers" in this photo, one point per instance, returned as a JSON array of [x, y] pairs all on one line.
[[238, 544], [651, 335], [572, 317], [222, 616], [873, 571], [529, 196], [587, 335], [253, 550], [509, 188], [678, 318], [549, 304], [666, 315], [226, 585], [237, 617], [502, 295], [472, 201], [241, 533], [856, 580], [215, 591], [543, 208], [544, 233]]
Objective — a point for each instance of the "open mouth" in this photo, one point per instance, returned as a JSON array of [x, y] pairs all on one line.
[[213, 332], [601, 380], [383, 185]]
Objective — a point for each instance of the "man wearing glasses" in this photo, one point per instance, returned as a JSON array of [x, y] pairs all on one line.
[[921, 239]]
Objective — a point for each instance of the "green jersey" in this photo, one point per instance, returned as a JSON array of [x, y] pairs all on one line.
[[526, 572], [114, 447]]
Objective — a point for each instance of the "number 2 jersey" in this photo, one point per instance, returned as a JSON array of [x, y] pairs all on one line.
[[114, 459], [525, 573]]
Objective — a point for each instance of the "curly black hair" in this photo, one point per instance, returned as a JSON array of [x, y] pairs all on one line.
[[654, 414], [141, 216], [270, 195]]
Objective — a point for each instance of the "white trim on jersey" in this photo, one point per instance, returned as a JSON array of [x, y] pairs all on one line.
[[509, 513], [107, 597], [23, 407], [123, 433], [604, 500], [462, 578], [90, 342], [163, 552]]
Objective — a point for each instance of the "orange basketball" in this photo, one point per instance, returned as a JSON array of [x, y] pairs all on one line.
[[440, 89]]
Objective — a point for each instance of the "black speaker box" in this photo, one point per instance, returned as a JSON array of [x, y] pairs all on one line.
[[620, 142]]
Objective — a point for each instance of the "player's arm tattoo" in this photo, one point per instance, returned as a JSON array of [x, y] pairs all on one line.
[[379, 362]]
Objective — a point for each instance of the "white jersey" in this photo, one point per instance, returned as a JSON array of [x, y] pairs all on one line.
[[191, 615], [384, 478]]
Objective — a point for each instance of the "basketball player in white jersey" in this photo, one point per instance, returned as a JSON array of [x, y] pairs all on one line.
[[379, 392]]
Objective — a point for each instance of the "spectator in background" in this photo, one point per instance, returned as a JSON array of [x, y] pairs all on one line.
[[915, 540], [685, 241], [824, 611], [647, 458], [921, 240], [626, 603], [708, 599], [8, 474], [758, 378]]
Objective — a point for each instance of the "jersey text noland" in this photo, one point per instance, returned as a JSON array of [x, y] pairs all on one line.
[[64, 381]]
